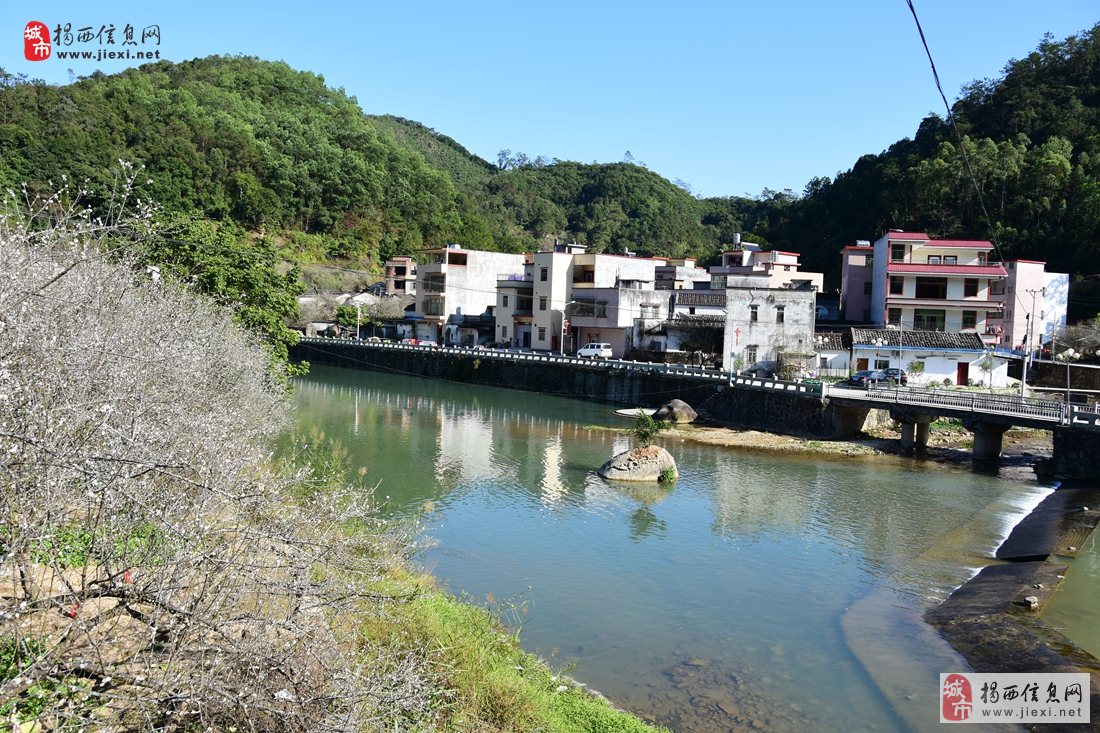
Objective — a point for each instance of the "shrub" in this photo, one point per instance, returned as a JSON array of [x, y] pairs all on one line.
[[645, 428], [149, 538]]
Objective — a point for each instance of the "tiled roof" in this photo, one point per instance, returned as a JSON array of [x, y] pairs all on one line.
[[972, 270], [918, 339], [832, 341]]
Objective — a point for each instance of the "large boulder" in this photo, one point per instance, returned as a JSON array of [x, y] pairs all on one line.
[[648, 463], [676, 411]]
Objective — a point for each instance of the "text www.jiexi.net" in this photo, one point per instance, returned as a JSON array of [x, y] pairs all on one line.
[[104, 54], [1031, 713]]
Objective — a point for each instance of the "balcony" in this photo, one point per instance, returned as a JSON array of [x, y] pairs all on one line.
[[434, 307]]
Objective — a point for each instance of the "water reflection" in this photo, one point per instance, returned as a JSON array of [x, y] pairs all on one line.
[[728, 591]]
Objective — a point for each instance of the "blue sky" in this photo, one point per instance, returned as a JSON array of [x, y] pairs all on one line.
[[730, 97]]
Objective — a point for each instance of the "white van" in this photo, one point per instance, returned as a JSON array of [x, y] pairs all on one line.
[[595, 351]]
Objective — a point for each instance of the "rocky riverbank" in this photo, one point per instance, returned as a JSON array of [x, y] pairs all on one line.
[[1022, 448]]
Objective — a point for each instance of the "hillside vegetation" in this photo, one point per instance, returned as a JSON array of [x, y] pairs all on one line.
[[1029, 158], [276, 153]]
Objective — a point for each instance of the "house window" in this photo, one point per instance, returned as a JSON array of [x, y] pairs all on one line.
[[950, 259], [542, 274], [505, 303], [649, 311], [932, 288], [542, 303], [867, 288], [893, 316], [822, 362], [780, 313], [897, 285], [504, 332], [934, 259], [897, 252], [753, 314], [750, 354], [970, 287], [928, 320], [542, 333], [981, 258], [997, 288], [970, 319]]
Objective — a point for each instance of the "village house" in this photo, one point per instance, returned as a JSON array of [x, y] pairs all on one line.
[[456, 293]]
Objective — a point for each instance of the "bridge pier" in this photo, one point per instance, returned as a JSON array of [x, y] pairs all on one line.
[[987, 439], [915, 430]]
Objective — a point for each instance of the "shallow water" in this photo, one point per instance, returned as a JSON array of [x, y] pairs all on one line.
[[1075, 607], [761, 592]]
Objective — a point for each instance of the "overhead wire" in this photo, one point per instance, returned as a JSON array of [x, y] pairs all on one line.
[[958, 134]]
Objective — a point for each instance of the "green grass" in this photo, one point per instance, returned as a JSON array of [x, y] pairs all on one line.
[[28, 706], [497, 684]]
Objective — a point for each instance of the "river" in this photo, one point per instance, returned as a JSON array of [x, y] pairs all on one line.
[[761, 592]]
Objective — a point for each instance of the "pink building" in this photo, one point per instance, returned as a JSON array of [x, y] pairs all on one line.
[[936, 284]]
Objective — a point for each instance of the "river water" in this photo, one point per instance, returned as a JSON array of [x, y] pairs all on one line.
[[761, 592]]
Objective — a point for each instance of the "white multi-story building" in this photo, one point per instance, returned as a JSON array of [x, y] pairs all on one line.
[[935, 284], [779, 269], [767, 326], [914, 282], [457, 291], [566, 298]]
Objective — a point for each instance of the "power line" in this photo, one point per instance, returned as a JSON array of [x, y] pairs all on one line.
[[958, 135]]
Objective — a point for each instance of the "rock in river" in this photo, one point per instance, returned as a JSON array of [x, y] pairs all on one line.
[[648, 463], [677, 411]]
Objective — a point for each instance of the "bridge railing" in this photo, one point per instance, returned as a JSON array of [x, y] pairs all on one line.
[[1035, 409], [481, 352]]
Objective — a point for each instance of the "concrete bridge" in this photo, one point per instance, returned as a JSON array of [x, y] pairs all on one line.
[[988, 416]]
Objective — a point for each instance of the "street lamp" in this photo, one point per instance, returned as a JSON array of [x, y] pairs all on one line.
[[878, 344], [1068, 356]]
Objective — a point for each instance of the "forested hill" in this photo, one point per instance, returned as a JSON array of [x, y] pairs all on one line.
[[273, 150], [276, 151], [1032, 149]]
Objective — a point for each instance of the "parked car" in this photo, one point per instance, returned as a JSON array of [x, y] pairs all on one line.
[[898, 375], [595, 351], [866, 378]]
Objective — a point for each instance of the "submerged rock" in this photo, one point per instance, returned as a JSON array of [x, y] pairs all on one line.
[[648, 463], [677, 411]]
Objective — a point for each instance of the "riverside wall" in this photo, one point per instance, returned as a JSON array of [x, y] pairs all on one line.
[[769, 410]]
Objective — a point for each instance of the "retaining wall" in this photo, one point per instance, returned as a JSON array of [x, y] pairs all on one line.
[[755, 407]]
